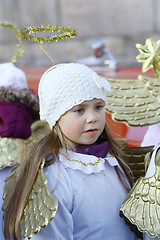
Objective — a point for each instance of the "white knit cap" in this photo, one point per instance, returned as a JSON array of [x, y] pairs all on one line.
[[65, 85], [11, 76]]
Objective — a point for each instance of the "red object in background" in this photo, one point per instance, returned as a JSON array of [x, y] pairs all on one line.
[[34, 74], [133, 135], [118, 130]]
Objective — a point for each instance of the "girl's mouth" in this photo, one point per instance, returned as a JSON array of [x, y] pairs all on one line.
[[91, 131]]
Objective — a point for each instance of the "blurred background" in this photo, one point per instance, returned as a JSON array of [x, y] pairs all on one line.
[[119, 24]]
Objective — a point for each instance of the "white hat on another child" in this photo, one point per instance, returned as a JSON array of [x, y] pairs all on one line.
[[11, 76], [63, 86], [14, 88]]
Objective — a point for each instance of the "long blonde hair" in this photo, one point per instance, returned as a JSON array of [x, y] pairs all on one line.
[[51, 143]]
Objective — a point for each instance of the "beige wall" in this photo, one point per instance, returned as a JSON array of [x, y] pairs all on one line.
[[119, 23]]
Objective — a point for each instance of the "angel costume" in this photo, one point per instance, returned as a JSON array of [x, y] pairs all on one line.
[[89, 195]]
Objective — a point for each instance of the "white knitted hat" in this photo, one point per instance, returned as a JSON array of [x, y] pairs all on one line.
[[63, 86], [11, 76]]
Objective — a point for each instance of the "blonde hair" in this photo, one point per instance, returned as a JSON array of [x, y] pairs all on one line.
[[29, 168]]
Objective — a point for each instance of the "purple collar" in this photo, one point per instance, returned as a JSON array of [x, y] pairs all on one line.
[[96, 149]]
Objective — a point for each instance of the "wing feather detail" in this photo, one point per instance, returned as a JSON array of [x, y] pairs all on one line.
[[41, 207], [142, 205], [134, 102]]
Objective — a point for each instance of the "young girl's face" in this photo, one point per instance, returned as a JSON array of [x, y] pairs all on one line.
[[84, 123]]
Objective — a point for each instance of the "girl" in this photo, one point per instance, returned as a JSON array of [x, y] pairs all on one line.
[[83, 166]]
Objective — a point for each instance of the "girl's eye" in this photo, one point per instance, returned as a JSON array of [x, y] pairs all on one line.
[[99, 107], [79, 110]]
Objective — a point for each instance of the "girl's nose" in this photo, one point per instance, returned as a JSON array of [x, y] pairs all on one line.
[[91, 117]]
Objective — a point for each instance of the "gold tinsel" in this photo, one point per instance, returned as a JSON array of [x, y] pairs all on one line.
[[29, 33], [18, 36]]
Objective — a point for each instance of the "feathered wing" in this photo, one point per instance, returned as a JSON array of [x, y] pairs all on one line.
[[41, 207], [134, 102], [12, 149], [142, 205], [9, 187], [135, 157], [39, 130], [9, 152]]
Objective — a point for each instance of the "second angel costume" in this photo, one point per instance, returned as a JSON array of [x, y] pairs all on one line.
[[19, 124], [136, 103]]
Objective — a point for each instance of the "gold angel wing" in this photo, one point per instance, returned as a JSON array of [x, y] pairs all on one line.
[[135, 157], [39, 130], [142, 205], [9, 187], [134, 102], [9, 154], [41, 207], [12, 149]]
